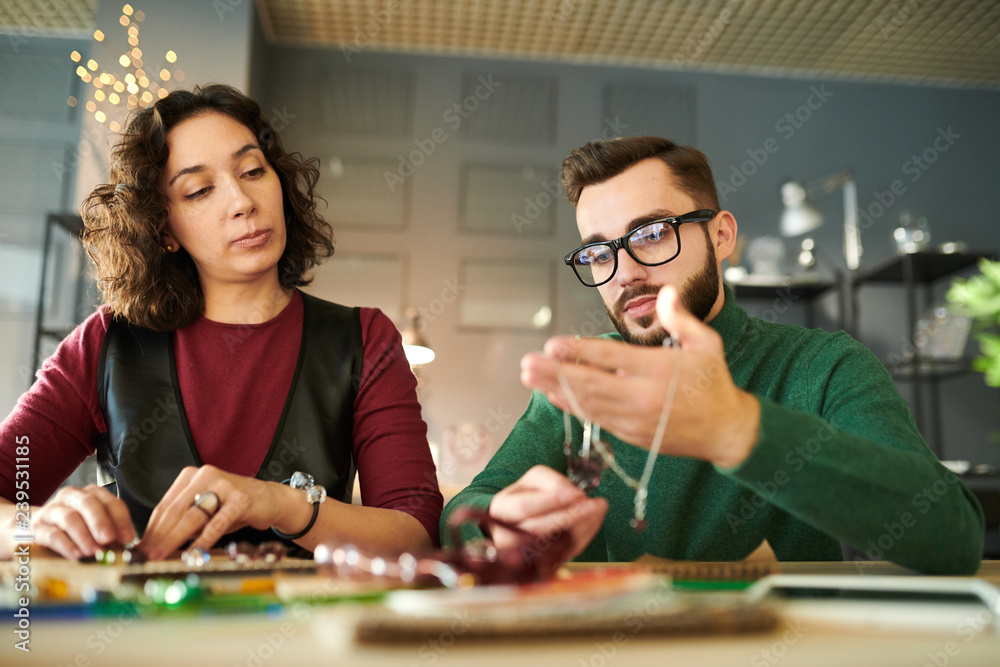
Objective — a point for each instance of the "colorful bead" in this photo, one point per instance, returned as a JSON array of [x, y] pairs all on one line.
[[271, 552], [196, 557]]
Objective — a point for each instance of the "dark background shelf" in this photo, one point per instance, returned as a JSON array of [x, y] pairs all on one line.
[[917, 275], [804, 290], [930, 368], [927, 266]]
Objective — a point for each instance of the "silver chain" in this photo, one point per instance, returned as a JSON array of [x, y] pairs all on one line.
[[592, 437]]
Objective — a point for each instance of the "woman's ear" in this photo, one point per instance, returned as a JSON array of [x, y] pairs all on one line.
[[168, 242]]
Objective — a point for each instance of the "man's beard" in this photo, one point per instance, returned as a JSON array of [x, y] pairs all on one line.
[[698, 295]]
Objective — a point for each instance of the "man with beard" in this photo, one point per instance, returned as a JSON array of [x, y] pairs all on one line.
[[773, 432]]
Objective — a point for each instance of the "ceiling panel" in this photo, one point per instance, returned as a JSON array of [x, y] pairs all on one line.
[[937, 42], [934, 42]]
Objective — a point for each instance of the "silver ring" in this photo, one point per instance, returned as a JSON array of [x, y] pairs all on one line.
[[204, 497], [74, 502]]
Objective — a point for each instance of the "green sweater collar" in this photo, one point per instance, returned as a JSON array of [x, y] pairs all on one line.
[[731, 322]]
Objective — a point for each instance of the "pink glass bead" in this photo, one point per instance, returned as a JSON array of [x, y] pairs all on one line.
[[638, 525]]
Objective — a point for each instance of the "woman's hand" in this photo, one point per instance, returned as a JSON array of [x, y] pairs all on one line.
[[76, 522], [228, 502]]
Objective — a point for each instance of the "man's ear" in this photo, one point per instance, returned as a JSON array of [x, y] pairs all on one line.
[[725, 235]]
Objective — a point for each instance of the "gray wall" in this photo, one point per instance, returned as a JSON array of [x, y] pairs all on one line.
[[809, 128]]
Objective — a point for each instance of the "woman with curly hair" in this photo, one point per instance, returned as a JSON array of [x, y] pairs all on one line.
[[219, 399]]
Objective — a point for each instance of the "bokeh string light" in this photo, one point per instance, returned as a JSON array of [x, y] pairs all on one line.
[[137, 87]]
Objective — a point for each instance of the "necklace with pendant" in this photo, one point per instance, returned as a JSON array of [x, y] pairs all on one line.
[[584, 464]]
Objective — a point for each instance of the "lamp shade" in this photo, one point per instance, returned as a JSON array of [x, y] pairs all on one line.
[[798, 216], [418, 351]]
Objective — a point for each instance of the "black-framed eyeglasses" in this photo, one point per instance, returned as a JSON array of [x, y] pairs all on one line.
[[651, 244]]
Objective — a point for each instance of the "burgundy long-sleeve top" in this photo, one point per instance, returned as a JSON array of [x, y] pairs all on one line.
[[234, 380]]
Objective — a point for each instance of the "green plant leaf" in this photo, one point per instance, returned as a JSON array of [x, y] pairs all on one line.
[[978, 297]]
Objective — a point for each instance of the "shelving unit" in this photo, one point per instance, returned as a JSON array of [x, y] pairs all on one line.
[[911, 272], [63, 284], [805, 290]]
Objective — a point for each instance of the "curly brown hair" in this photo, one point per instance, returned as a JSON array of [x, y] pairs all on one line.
[[125, 218], [598, 161]]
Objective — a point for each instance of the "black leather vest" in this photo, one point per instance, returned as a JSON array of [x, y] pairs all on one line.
[[148, 441]]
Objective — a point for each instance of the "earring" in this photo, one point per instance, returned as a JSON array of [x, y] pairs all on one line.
[[170, 247]]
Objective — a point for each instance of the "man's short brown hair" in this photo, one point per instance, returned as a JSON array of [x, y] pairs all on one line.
[[597, 161]]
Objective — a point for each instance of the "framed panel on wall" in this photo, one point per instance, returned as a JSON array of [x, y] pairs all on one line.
[[506, 294], [507, 108], [515, 200], [361, 279], [357, 194], [360, 100], [663, 111]]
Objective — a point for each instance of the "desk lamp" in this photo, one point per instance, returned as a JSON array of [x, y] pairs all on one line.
[[800, 217]]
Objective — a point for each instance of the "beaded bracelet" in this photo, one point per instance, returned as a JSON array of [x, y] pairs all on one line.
[[315, 494]]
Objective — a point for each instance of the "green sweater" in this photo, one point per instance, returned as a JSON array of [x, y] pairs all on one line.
[[838, 458]]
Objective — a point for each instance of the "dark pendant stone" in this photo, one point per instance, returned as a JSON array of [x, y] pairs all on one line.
[[584, 472]]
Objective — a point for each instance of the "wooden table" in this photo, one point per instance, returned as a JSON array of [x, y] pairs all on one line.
[[322, 635]]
